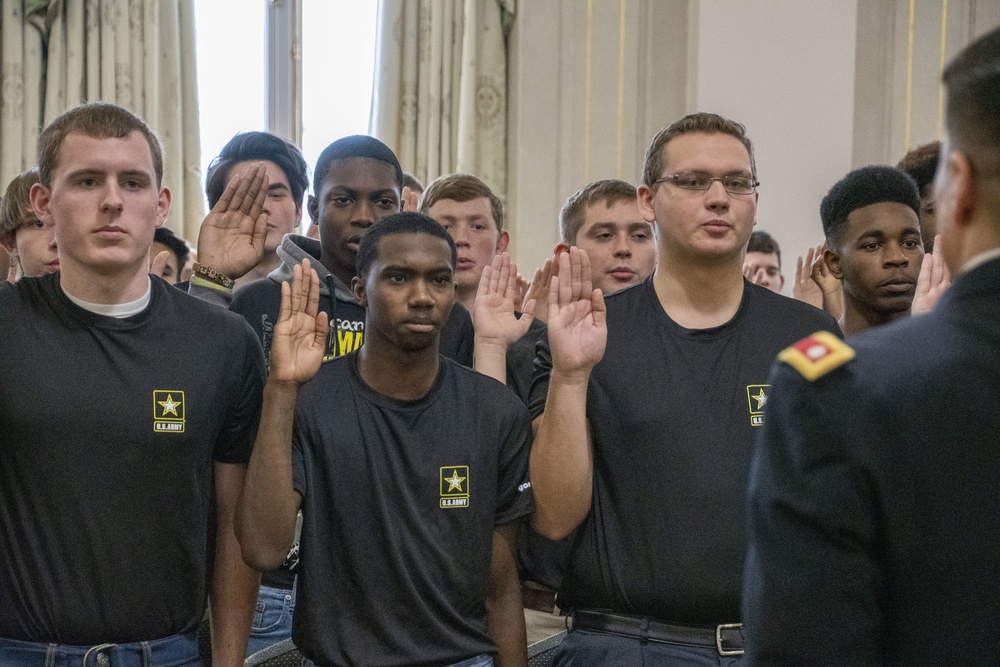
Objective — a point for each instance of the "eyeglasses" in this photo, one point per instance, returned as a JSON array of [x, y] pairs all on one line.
[[738, 184]]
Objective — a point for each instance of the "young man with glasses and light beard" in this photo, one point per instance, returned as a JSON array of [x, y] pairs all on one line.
[[646, 406]]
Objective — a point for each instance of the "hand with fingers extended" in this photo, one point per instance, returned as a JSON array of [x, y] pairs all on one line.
[[755, 274], [493, 314], [577, 325], [538, 290], [933, 281], [804, 288], [299, 339], [409, 200], [232, 235]]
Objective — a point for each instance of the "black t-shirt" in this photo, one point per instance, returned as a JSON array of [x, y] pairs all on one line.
[[399, 503], [673, 413], [108, 433], [260, 301]]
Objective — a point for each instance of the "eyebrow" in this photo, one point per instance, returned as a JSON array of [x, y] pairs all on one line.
[[131, 173], [278, 186], [354, 191], [409, 270]]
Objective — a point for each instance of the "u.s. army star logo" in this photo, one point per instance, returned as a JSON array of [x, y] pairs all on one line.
[[168, 411], [455, 486], [756, 399]]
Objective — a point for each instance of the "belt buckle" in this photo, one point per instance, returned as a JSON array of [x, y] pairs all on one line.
[[718, 638]]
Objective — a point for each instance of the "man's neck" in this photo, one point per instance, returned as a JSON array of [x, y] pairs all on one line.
[[123, 286], [270, 262], [858, 318], [396, 373], [699, 295]]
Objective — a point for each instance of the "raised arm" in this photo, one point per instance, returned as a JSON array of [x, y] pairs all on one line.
[[496, 325], [265, 517], [561, 456]]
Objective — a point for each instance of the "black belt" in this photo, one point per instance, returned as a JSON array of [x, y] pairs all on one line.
[[727, 638]]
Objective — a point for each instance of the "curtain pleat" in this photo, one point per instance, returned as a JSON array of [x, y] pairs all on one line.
[[140, 54], [440, 94]]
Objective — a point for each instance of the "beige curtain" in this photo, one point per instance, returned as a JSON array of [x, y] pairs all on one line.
[[137, 53], [440, 94]]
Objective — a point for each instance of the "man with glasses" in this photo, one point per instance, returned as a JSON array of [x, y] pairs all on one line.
[[647, 411]]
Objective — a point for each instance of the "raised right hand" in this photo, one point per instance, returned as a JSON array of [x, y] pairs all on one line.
[[299, 339], [231, 239], [804, 288], [578, 331]]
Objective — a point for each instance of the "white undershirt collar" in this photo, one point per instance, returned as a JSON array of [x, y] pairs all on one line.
[[118, 310]]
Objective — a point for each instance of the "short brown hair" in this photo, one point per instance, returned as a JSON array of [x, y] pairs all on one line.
[[101, 120], [574, 211], [709, 123], [15, 207], [460, 187]]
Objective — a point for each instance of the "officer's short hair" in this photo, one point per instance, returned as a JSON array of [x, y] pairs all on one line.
[[247, 146], [861, 187], [574, 211], [399, 223], [972, 82], [101, 120]]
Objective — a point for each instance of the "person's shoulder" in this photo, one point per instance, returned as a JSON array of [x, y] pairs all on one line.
[[26, 292], [204, 316], [488, 390], [256, 292], [772, 305]]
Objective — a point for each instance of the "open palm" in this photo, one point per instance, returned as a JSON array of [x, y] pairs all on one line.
[[299, 340]]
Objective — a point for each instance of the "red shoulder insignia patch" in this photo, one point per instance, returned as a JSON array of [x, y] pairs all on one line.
[[817, 355]]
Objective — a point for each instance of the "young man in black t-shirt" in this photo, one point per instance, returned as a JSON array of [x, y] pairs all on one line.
[[357, 181], [646, 410], [128, 411], [410, 470]]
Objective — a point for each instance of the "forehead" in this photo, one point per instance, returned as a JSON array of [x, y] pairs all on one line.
[[413, 250], [619, 213], [275, 174], [361, 174], [889, 218], [105, 154], [451, 208], [714, 153]]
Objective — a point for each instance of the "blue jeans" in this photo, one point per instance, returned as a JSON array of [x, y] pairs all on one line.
[[175, 651], [272, 621]]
